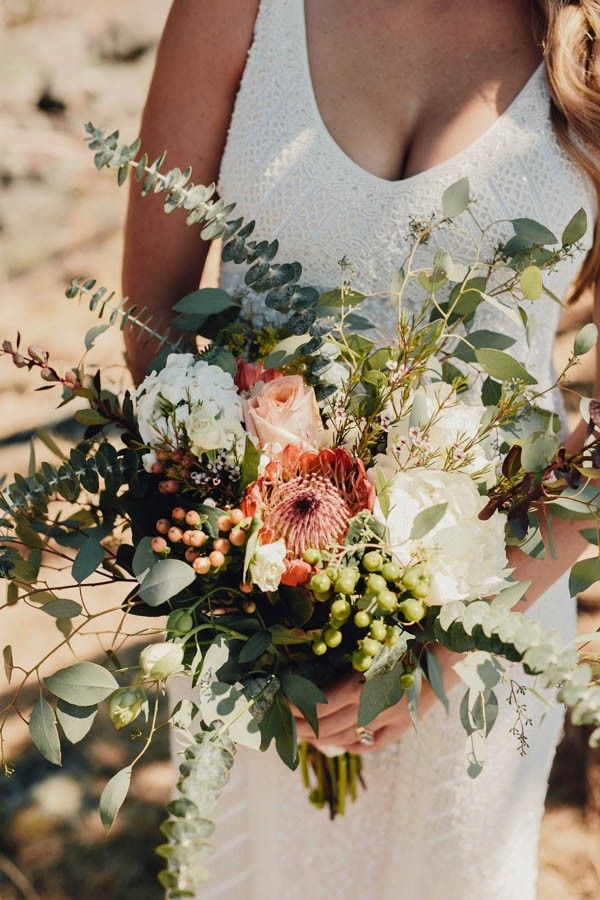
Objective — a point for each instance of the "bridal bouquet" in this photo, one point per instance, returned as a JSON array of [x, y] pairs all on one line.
[[300, 503]]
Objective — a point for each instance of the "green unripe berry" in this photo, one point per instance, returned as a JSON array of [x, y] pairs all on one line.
[[362, 619], [415, 577], [392, 636], [407, 680], [378, 630], [322, 598], [376, 583], [319, 648], [391, 572], [345, 583], [331, 573], [370, 646], [180, 621], [341, 609], [332, 637], [311, 556], [361, 661], [320, 583], [372, 561], [387, 601], [412, 609], [421, 591]]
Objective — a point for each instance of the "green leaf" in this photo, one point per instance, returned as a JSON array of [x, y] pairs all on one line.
[[255, 646], [503, 367], [87, 560], [7, 657], [251, 544], [82, 684], [331, 301], [531, 283], [583, 575], [285, 351], [511, 595], [383, 492], [75, 721], [379, 693], [426, 520], [144, 559], [221, 357], [475, 754], [455, 199], [585, 339], [62, 608], [590, 535], [166, 579], [279, 725], [43, 731], [494, 340], [532, 232], [479, 671], [90, 417], [206, 302], [50, 443], [250, 463], [491, 392], [112, 797], [576, 228], [92, 334], [538, 451], [454, 271], [305, 695], [435, 679]]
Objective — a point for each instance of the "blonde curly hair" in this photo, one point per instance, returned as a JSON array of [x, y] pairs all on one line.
[[570, 34]]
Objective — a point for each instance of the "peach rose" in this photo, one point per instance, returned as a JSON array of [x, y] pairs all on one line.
[[284, 412]]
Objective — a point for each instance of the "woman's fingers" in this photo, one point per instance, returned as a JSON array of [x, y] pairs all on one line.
[[339, 721]]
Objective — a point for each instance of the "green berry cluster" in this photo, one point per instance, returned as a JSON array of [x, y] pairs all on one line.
[[374, 596]]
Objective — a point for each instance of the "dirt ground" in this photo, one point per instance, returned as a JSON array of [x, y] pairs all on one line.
[[61, 65]]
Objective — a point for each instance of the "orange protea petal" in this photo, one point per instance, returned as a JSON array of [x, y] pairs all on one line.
[[308, 497]]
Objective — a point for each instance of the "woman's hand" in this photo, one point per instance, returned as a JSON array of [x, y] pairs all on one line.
[[338, 720]]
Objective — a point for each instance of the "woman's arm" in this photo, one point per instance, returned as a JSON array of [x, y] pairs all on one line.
[[337, 719], [200, 61]]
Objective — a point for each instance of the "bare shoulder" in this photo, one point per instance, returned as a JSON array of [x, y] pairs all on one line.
[[200, 61]]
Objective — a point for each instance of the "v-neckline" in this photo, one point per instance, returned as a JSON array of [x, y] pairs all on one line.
[[400, 183]]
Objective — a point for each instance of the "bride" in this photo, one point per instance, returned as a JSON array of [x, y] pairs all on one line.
[[332, 123]]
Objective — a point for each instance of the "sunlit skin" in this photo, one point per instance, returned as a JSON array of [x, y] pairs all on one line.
[[363, 58]]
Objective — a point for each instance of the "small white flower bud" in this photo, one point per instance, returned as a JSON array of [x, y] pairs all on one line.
[[159, 661]]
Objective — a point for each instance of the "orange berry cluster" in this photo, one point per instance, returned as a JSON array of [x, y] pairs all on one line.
[[185, 529]]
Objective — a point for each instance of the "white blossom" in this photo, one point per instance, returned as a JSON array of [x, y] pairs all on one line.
[[465, 556], [267, 565], [191, 396]]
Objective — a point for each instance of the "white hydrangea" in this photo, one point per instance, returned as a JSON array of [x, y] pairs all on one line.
[[465, 557], [448, 429], [189, 394]]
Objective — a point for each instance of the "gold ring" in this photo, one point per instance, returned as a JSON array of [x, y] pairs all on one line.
[[365, 736]]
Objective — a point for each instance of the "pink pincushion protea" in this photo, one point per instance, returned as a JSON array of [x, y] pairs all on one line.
[[308, 498]]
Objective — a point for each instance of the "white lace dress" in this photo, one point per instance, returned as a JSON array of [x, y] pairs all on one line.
[[423, 830]]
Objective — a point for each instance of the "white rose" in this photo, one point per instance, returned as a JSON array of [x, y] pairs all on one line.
[[267, 565], [159, 661], [464, 555], [205, 432]]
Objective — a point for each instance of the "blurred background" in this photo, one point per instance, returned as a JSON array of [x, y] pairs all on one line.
[[62, 64]]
